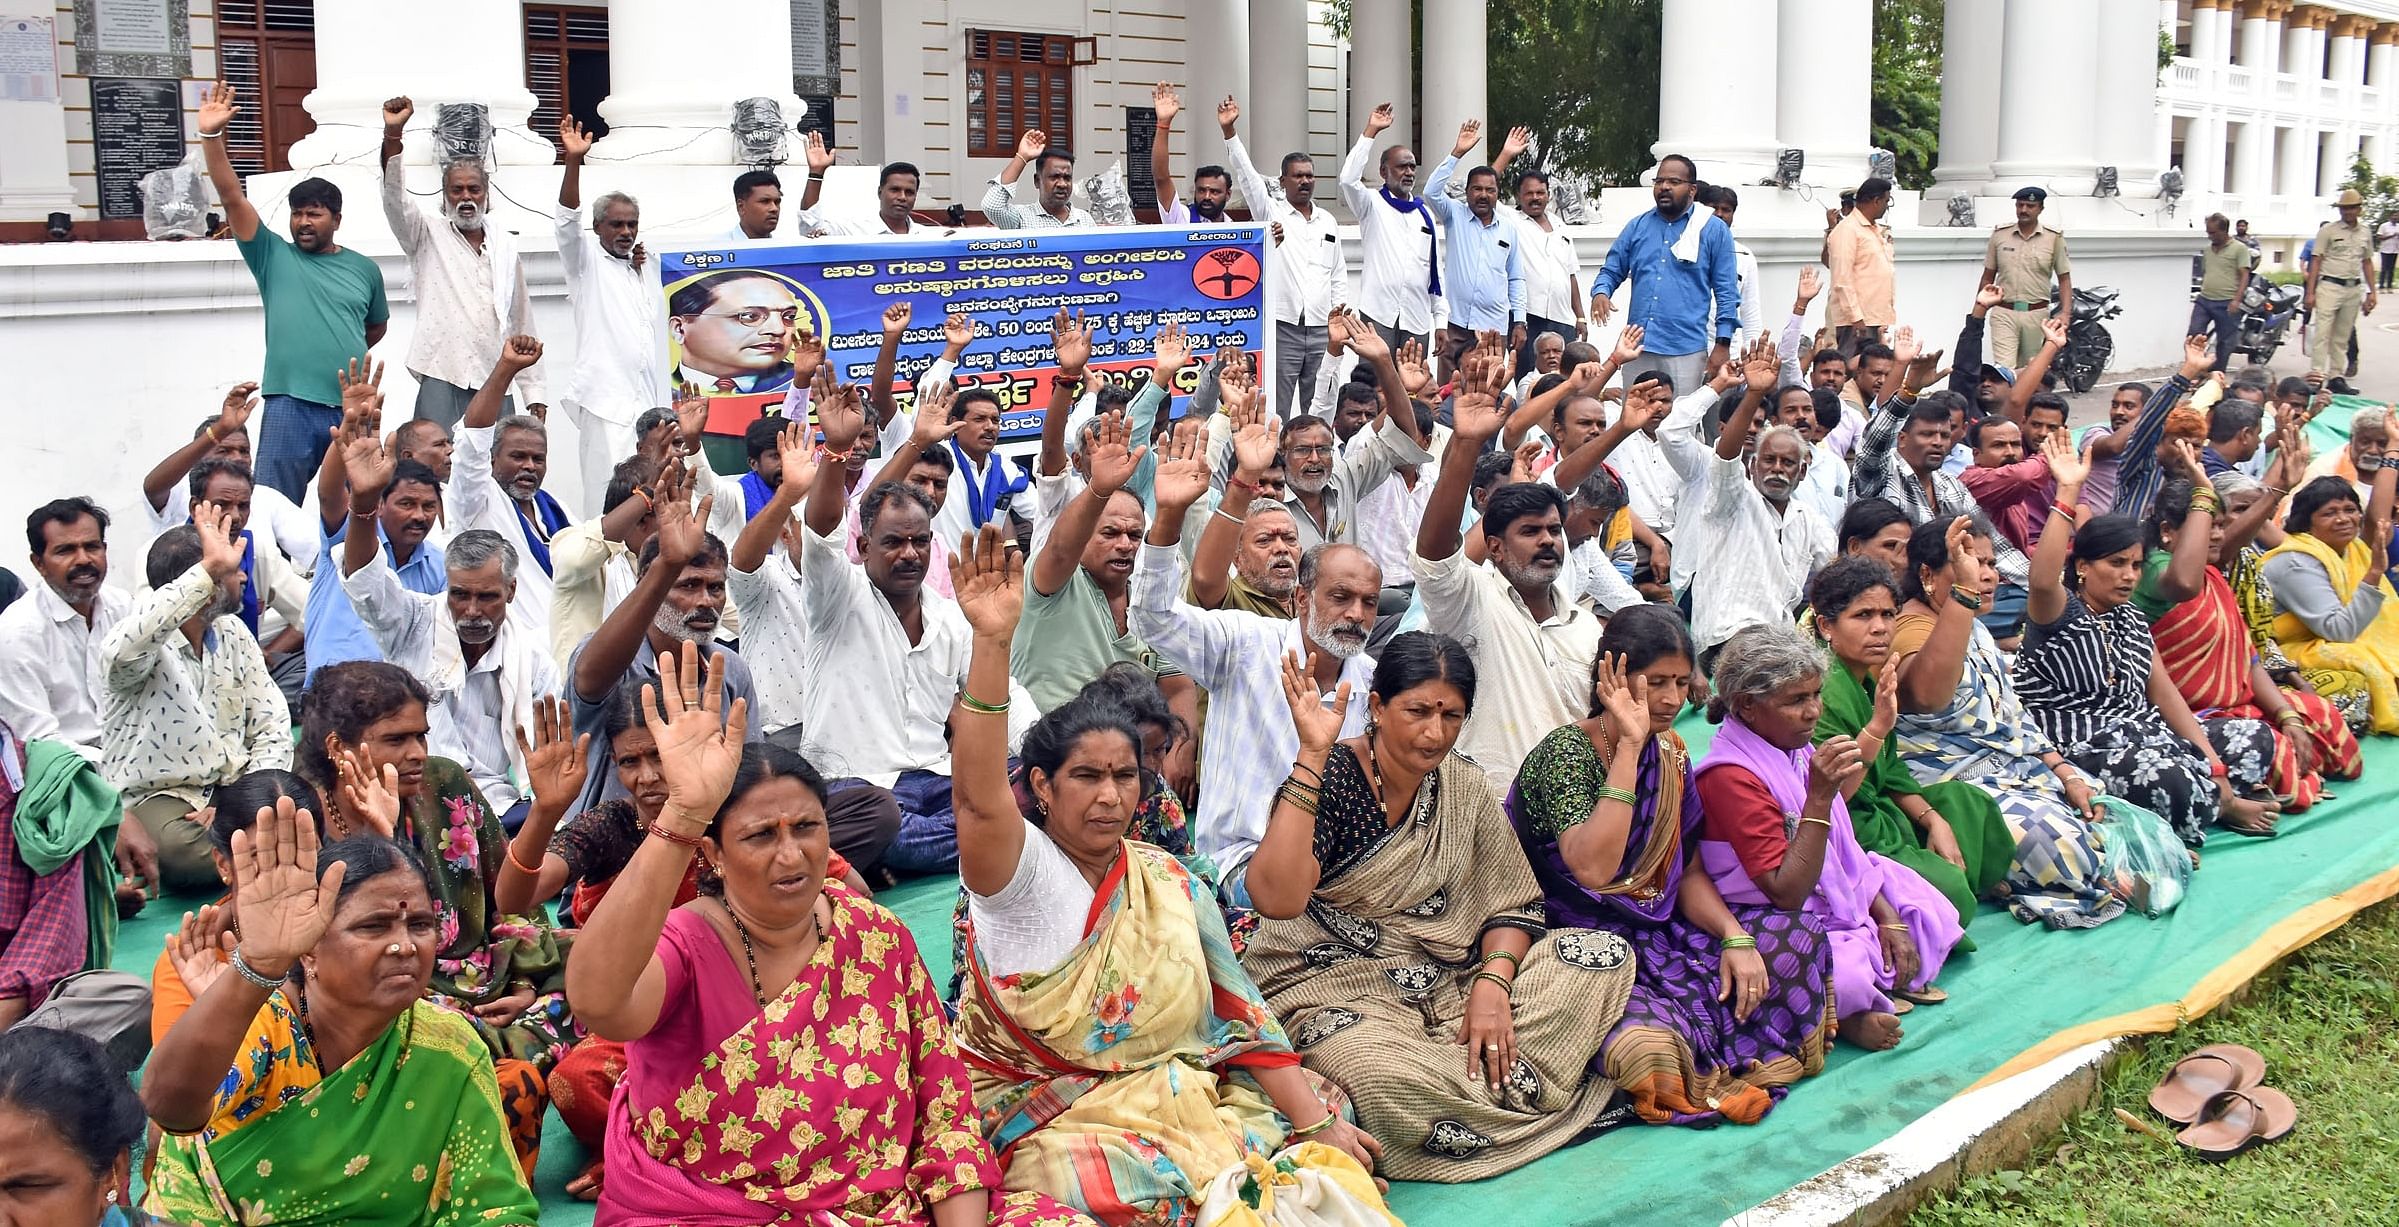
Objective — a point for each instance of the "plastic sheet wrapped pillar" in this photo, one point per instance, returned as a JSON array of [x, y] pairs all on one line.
[[759, 135]]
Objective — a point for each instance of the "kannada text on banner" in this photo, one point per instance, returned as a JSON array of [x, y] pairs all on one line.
[[734, 312]]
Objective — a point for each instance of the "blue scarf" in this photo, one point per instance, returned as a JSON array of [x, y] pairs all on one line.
[[983, 499], [755, 494], [553, 518], [250, 583], [1415, 204]]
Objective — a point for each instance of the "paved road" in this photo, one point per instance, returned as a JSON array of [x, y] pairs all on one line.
[[2377, 368]]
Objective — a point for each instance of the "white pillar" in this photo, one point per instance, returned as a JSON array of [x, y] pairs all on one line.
[[1380, 71], [2379, 54], [34, 181], [1823, 87], [670, 102], [2348, 54], [2203, 157], [1456, 88], [2295, 176], [2049, 60], [2124, 104], [2250, 149], [2297, 37], [2334, 152], [1716, 93], [2260, 36], [1970, 30], [2207, 39], [367, 51], [1216, 62], [1274, 114]]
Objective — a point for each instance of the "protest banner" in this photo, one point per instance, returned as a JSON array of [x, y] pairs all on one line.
[[734, 312]]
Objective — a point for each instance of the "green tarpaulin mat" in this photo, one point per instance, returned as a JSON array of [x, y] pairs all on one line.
[[2025, 992]]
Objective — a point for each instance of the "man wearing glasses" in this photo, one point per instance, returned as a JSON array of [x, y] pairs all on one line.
[[735, 329], [1685, 292]]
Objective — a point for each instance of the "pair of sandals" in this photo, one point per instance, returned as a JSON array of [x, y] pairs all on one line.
[[2219, 1095]]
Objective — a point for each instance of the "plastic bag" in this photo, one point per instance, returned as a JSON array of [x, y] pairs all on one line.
[[1107, 198], [1308, 1185], [175, 201], [2142, 857]]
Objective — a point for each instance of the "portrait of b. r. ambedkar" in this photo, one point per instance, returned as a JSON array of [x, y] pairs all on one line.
[[735, 331]]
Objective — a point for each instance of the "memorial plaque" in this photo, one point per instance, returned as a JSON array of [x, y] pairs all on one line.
[[137, 127], [815, 47], [28, 60], [1141, 132], [133, 38]]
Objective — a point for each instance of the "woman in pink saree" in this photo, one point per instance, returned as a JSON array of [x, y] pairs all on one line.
[[787, 1060]]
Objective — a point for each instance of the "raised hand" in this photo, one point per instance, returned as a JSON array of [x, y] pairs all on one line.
[[361, 381], [370, 794], [1182, 475], [2180, 458], [241, 400], [1626, 702], [1468, 133], [2198, 355], [1903, 347], [698, 751], [284, 902], [680, 531], [368, 461], [1811, 283], [1336, 332], [572, 138], [557, 762], [896, 317], [1919, 374], [220, 548], [1628, 343], [518, 353], [1414, 375], [987, 574], [1319, 725], [841, 416], [1475, 412], [933, 426], [1988, 297], [1172, 351], [1228, 114], [197, 950], [1255, 443], [2053, 332], [2065, 464], [397, 112], [1762, 366], [1378, 119], [820, 159], [1645, 403], [957, 331], [1886, 704], [1365, 342], [807, 357], [1166, 102], [1520, 138], [1522, 460], [1112, 457], [1965, 567], [217, 109], [1032, 144], [1836, 768]]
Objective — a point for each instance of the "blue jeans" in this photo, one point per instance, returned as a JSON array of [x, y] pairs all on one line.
[[292, 442], [2207, 314], [928, 837]]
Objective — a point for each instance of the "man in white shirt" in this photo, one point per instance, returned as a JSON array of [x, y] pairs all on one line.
[[1535, 644], [1553, 272], [49, 638], [1312, 276], [1053, 205], [983, 484], [620, 323], [1760, 547], [469, 283], [485, 675], [1402, 275], [1326, 478], [1211, 186], [885, 656], [499, 469], [757, 206], [895, 198], [225, 435]]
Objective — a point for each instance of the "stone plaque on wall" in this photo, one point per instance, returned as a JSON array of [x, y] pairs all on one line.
[[137, 127], [815, 47], [133, 38], [1141, 131]]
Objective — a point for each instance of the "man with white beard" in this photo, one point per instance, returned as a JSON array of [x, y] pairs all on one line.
[[1237, 657], [469, 284]]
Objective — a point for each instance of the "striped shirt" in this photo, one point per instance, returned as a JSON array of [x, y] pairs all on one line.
[[2086, 671], [1873, 474]]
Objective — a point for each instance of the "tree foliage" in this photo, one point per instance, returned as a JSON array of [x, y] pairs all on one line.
[[1907, 86], [2381, 191]]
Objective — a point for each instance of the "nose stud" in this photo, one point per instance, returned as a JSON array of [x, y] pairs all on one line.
[[394, 948]]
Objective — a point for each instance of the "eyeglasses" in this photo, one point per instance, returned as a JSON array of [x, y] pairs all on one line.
[[751, 317], [1311, 451]]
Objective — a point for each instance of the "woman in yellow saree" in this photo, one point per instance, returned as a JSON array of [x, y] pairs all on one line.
[[2337, 609], [1121, 1058]]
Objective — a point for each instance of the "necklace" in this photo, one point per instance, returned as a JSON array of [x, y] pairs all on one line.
[[749, 952]]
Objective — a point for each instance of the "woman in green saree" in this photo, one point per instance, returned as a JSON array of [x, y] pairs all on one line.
[[383, 1108], [1951, 834]]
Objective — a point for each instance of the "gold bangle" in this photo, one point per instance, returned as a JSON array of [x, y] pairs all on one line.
[[1896, 926]]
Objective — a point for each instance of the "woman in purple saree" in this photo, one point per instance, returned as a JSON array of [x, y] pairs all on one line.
[[1776, 834], [1728, 1005]]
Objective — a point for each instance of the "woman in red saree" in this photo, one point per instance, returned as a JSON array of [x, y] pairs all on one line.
[[2204, 647], [786, 1058]]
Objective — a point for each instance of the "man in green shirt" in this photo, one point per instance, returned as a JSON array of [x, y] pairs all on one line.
[[2223, 281], [324, 307]]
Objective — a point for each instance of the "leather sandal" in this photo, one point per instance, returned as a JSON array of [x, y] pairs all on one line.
[[2235, 1121], [1928, 995], [2186, 1089]]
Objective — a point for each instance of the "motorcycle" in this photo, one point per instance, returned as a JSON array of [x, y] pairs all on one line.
[[2267, 312], [2088, 345]]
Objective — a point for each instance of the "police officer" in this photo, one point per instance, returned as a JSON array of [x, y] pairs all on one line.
[[2022, 260], [2341, 273]]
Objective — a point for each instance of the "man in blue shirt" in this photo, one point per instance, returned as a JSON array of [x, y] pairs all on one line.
[[1480, 265], [1677, 274], [404, 516]]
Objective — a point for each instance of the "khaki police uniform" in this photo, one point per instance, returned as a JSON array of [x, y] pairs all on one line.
[[2027, 273], [2340, 291]]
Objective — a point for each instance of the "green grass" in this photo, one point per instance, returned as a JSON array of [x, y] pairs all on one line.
[[2328, 1026]]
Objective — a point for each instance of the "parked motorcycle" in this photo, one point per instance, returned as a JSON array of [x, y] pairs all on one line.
[[2088, 345], [2267, 313]]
